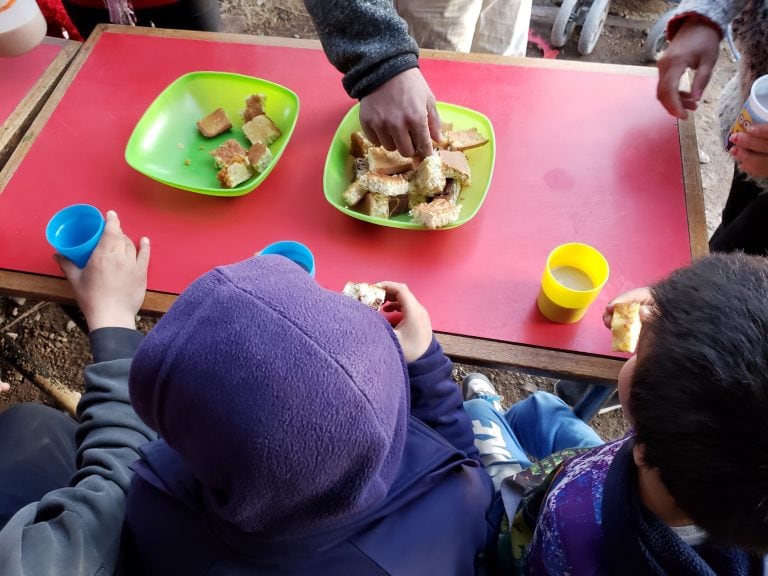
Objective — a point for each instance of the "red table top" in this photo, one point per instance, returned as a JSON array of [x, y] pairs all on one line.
[[19, 74], [581, 156]]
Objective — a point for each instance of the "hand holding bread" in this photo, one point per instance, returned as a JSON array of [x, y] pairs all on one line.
[[402, 115], [414, 330], [624, 315]]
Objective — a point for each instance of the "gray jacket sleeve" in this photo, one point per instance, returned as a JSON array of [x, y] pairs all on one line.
[[366, 40], [721, 13], [76, 530]]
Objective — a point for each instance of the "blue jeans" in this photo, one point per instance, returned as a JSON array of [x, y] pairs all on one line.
[[538, 426]]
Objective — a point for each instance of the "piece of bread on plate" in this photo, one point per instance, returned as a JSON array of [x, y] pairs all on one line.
[[428, 178], [383, 161], [464, 139], [359, 144], [214, 123], [625, 327], [354, 193], [260, 157], [436, 214], [383, 184], [228, 152], [381, 206], [369, 294], [455, 165], [261, 129], [254, 106], [234, 173]]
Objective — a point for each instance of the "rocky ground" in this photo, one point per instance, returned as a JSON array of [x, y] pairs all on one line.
[[40, 341]]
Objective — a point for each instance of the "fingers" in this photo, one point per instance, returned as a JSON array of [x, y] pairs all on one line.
[[433, 122], [405, 144], [142, 259], [753, 163], [749, 142], [668, 91], [401, 294], [69, 268]]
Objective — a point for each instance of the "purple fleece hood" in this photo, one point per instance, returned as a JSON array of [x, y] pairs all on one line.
[[289, 402]]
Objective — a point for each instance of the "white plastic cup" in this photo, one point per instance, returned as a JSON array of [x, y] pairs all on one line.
[[22, 26], [754, 111]]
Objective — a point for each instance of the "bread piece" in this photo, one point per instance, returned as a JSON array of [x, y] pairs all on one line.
[[260, 157], [429, 178], [455, 165], [382, 161], [359, 145], [214, 124], [354, 193], [451, 191], [625, 327], [381, 206], [233, 174], [254, 106], [464, 139], [436, 214], [228, 152], [383, 184], [369, 294], [261, 129], [360, 167]]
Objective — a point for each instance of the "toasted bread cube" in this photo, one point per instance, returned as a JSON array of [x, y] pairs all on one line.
[[375, 205], [383, 161], [259, 157], [383, 184], [369, 294], [429, 178], [451, 191], [359, 145], [228, 152], [354, 193], [625, 327], [261, 129], [214, 124], [254, 106], [455, 165], [464, 139], [233, 174], [436, 214]]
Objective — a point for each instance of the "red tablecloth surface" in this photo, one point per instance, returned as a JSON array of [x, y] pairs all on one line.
[[581, 156], [19, 73]]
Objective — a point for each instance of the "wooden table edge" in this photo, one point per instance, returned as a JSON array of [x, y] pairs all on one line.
[[463, 349], [13, 129]]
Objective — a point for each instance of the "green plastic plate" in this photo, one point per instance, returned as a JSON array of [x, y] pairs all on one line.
[[338, 166], [167, 146]]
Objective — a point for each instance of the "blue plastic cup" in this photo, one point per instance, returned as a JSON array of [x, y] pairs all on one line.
[[74, 232], [295, 251]]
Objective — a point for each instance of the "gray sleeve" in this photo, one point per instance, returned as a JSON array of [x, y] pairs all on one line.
[[366, 40], [721, 13], [75, 531]]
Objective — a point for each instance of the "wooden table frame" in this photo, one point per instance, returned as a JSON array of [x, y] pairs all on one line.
[[470, 350], [15, 126]]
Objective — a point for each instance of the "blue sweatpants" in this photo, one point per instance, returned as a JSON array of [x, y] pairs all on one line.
[[535, 427]]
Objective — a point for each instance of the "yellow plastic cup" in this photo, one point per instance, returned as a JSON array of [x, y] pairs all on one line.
[[573, 278]]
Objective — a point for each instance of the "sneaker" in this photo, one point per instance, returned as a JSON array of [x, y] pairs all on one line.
[[476, 385], [572, 393]]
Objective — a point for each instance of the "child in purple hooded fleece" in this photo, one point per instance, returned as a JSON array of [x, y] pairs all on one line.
[[300, 434]]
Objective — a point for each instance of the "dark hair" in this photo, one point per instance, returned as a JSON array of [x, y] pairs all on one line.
[[699, 395]]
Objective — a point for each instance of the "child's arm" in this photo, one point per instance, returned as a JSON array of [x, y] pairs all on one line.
[[369, 43], [435, 398], [76, 529]]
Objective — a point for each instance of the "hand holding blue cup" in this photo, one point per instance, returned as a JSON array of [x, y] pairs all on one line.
[[295, 251], [75, 231]]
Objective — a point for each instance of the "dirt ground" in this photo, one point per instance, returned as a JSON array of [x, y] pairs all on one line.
[[41, 338]]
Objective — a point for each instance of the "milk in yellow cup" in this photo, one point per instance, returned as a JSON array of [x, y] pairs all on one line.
[[573, 277]]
